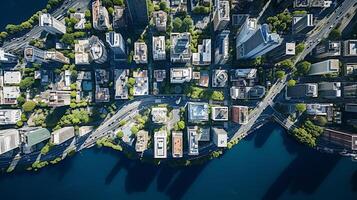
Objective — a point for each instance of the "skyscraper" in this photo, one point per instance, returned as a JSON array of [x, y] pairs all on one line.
[[221, 15], [261, 42], [138, 12], [117, 45]]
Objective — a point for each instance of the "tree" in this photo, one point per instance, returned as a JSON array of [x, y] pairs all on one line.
[[287, 63], [177, 23], [134, 130], [120, 134], [335, 34], [19, 124], [68, 38], [181, 125], [299, 48], [303, 67], [301, 107], [28, 106], [321, 120], [20, 100], [304, 137], [163, 5], [118, 2], [111, 10], [291, 83], [87, 14], [187, 23], [131, 81], [217, 96], [26, 83], [280, 74]]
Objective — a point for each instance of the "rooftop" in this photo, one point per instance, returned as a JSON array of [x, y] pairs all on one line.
[[197, 111]]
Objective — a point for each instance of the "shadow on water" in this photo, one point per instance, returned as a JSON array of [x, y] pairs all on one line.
[[354, 181], [166, 174], [304, 174], [264, 134]]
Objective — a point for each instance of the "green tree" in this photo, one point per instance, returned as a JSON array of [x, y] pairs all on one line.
[[280, 74], [68, 38], [187, 23], [87, 14], [26, 83], [163, 5], [134, 130], [335, 34], [181, 125], [299, 48], [217, 96], [287, 63], [291, 83], [303, 67], [301, 107], [21, 100], [111, 10], [28, 106], [177, 24], [321, 120], [120, 134]]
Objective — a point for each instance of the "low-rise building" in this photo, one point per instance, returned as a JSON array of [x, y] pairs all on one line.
[[9, 140], [219, 113], [350, 48], [159, 115], [9, 95], [240, 114], [62, 135], [158, 48], [119, 17], [160, 75], [180, 75], [244, 77], [56, 98], [343, 139], [307, 90], [51, 24], [203, 55], [329, 49], [319, 109], [192, 137], [120, 81], [350, 91], [140, 53], [102, 94], [33, 54], [100, 16], [142, 138], [160, 144], [312, 3], [329, 90], [180, 47], [80, 25], [325, 67], [220, 137], [84, 130], [177, 144], [221, 15], [141, 86], [88, 50], [160, 20], [219, 78], [12, 77], [255, 92], [31, 137], [351, 107], [7, 58], [302, 23], [9, 116], [197, 112]]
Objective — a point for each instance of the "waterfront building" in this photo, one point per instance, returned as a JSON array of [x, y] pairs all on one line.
[[343, 139], [158, 48], [259, 43], [180, 75], [329, 90], [138, 12], [203, 55], [33, 54], [100, 16], [62, 135], [9, 140], [9, 116], [221, 15], [120, 82], [220, 137], [142, 138], [7, 58], [160, 20], [221, 53], [325, 67], [31, 137], [219, 113], [160, 144], [197, 112], [299, 91], [117, 45], [51, 24], [159, 115], [177, 144], [219, 78], [84, 130], [140, 53], [302, 23], [180, 47], [192, 137], [240, 114]]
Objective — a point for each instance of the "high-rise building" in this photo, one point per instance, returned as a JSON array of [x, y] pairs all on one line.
[[98, 51], [117, 45], [7, 57], [100, 16], [325, 67], [260, 43], [221, 15], [221, 52], [138, 12], [51, 24], [246, 31], [203, 55], [302, 23]]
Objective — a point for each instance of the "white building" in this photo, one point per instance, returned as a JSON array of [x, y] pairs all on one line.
[[7, 57], [33, 54], [192, 137], [180, 47], [62, 135], [9, 116], [160, 144], [159, 48], [160, 19], [9, 140], [180, 75], [140, 53], [203, 55], [325, 67], [51, 24], [159, 115], [12, 77], [219, 137]]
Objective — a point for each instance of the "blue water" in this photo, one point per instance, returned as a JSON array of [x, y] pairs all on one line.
[[267, 165], [17, 11]]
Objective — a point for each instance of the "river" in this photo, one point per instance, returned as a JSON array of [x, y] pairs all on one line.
[[266, 165]]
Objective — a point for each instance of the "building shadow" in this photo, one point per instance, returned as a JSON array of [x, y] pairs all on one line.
[[263, 134], [165, 176], [304, 174], [354, 181]]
